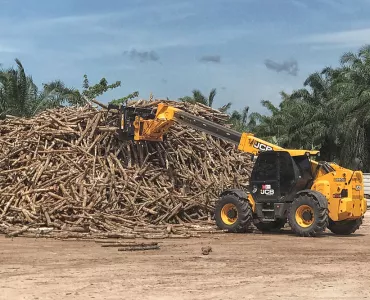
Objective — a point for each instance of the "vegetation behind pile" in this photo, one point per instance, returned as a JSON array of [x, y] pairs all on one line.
[[330, 113]]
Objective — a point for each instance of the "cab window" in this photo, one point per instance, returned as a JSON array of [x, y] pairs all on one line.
[[286, 171], [265, 167]]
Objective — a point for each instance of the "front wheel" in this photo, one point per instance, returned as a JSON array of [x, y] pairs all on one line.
[[233, 214], [308, 215]]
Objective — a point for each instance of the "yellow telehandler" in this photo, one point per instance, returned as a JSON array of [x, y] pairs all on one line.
[[286, 185]]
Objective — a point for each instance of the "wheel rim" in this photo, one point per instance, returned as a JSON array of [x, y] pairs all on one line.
[[229, 214], [304, 216]]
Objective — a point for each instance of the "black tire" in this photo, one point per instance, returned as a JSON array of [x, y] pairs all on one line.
[[345, 227], [243, 218], [270, 226], [318, 214]]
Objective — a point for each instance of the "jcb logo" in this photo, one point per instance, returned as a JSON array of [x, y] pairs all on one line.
[[261, 146], [267, 192]]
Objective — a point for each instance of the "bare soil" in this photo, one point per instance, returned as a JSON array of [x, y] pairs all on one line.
[[240, 266]]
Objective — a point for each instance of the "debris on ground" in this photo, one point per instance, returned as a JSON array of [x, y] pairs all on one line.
[[206, 250], [130, 246]]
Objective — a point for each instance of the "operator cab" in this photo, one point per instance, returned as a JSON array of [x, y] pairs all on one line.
[[276, 178], [277, 175]]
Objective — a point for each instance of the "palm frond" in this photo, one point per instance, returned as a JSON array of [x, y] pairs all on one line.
[[199, 97], [225, 107], [211, 97]]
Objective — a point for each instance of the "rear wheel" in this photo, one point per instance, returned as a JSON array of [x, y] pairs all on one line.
[[345, 227], [308, 215], [270, 226], [233, 214]]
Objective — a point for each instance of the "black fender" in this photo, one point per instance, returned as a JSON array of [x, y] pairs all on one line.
[[238, 192], [318, 196], [241, 194]]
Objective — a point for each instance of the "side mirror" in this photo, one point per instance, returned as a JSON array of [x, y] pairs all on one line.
[[358, 164]]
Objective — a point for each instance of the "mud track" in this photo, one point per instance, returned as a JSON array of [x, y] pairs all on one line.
[[241, 266]]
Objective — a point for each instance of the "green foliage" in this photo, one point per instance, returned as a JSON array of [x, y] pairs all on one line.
[[225, 107], [198, 97], [124, 99], [18, 93], [330, 113], [239, 119], [56, 94], [20, 97], [91, 92]]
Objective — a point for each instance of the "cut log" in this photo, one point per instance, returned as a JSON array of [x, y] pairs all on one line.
[[67, 169], [139, 248]]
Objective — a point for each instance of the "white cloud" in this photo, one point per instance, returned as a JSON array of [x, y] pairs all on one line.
[[96, 39], [93, 44], [149, 27], [339, 39]]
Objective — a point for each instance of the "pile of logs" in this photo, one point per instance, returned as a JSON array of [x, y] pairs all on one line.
[[66, 168]]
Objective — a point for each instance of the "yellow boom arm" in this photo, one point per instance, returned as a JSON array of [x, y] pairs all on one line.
[[154, 129]]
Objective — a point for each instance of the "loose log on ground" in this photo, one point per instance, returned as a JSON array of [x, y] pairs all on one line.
[[18, 232], [129, 245], [140, 248]]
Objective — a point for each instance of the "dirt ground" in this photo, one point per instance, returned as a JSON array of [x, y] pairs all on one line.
[[241, 266]]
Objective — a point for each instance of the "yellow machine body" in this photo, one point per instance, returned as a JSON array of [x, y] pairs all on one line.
[[331, 185], [353, 204], [342, 206]]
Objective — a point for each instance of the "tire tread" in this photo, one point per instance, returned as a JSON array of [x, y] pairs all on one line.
[[245, 213], [321, 218], [345, 227]]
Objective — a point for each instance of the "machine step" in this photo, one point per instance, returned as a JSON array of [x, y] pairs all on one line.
[[267, 220]]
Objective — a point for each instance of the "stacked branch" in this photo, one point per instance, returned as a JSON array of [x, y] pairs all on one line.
[[66, 168]]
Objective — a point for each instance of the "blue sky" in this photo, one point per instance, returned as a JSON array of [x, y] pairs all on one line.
[[171, 47]]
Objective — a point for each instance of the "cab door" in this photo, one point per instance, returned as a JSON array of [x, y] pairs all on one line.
[[264, 181]]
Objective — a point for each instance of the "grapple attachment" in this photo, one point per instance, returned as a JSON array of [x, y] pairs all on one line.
[[128, 117]]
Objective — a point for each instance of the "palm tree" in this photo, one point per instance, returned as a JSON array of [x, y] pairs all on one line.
[[331, 112], [198, 97], [268, 127], [239, 119], [224, 108], [56, 94], [19, 96], [310, 123], [17, 91], [352, 87]]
